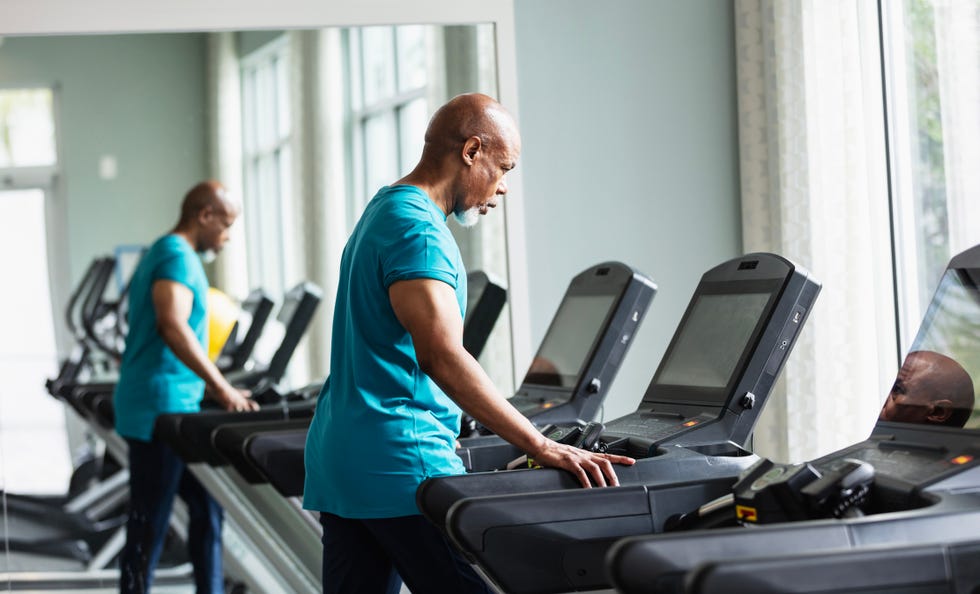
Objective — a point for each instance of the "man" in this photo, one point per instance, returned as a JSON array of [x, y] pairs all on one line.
[[930, 388], [389, 415], [165, 369]]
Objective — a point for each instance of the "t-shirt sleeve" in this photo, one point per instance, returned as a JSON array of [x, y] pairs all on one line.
[[423, 251], [173, 265]]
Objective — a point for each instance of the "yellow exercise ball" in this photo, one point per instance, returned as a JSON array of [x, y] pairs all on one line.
[[222, 315]]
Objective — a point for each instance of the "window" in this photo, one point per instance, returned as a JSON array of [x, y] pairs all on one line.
[[30, 420], [389, 109], [26, 128], [267, 165], [396, 77], [932, 62]]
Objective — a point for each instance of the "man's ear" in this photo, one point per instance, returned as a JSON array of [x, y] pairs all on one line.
[[204, 214], [471, 148], [940, 411]]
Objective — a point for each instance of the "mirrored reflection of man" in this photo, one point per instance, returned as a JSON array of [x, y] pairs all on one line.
[[165, 369], [399, 374], [930, 388], [543, 372]]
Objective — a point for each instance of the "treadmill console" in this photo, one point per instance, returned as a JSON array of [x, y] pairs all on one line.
[[723, 359], [572, 370], [929, 425], [255, 311], [936, 384], [294, 317], [485, 299], [920, 466]]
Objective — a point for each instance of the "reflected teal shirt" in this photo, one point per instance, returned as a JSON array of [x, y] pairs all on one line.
[[152, 380]]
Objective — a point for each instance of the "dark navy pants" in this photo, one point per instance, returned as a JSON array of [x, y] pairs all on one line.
[[156, 475], [374, 556]]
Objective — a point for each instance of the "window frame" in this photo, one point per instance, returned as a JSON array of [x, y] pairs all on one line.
[[911, 287], [359, 113]]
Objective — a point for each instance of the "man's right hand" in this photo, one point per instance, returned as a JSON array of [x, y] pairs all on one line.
[[172, 303], [583, 464], [234, 400]]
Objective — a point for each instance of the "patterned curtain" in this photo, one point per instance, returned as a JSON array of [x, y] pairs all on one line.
[[813, 187]]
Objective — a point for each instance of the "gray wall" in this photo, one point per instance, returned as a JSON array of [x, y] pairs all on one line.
[[137, 97], [628, 118]]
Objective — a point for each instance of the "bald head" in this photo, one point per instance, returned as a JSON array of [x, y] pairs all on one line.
[[471, 144], [206, 214], [930, 388], [207, 194], [467, 116]]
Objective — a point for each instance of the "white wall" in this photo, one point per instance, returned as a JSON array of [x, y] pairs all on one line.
[[628, 118]]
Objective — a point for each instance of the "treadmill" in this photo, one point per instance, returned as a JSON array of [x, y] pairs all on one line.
[[298, 306], [254, 313], [278, 446], [899, 511], [95, 402], [571, 373], [84, 527], [588, 337], [538, 531], [235, 356], [183, 431]]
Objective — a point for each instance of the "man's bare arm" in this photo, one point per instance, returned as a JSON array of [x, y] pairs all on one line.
[[428, 309], [172, 302]]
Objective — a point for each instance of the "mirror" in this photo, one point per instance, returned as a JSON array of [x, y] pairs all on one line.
[[936, 384], [303, 125]]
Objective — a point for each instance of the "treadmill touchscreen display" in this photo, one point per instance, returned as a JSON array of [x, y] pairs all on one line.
[[288, 309], [715, 335], [937, 382], [570, 339]]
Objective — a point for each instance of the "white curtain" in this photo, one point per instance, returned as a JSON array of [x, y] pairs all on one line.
[[958, 64], [814, 190]]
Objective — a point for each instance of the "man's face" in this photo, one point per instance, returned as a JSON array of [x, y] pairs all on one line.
[[485, 184], [921, 392], [216, 221]]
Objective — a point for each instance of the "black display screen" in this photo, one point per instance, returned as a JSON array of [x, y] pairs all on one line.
[[571, 337], [936, 384], [475, 285], [715, 334]]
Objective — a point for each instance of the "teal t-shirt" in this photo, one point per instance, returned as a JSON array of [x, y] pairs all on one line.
[[381, 425], [152, 380]]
